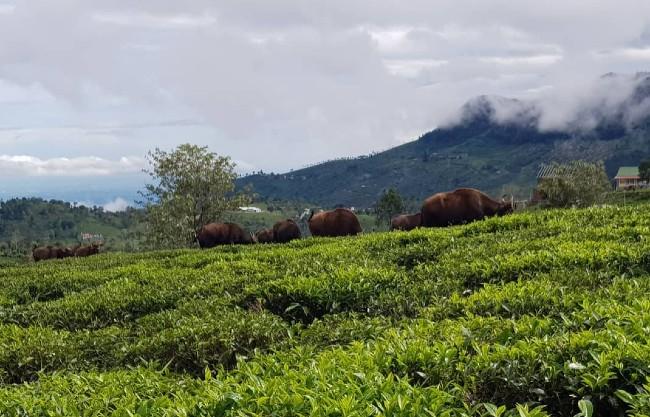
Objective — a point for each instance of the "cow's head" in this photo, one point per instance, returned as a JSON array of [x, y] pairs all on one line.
[[507, 205]]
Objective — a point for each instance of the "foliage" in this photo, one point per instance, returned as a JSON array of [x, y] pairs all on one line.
[[32, 221], [644, 170], [389, 204], [532, 314], [627, 197], [192, 187], [496, 159], [577, 183], [28, 221]]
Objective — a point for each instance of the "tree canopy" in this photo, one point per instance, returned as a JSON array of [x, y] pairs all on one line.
[[191, 187], [644, 170], [577, 183], [390, 203]]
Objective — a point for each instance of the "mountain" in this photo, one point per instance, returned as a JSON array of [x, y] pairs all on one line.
[[496, 145]]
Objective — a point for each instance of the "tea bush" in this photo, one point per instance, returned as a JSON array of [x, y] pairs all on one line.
[[533, 314]]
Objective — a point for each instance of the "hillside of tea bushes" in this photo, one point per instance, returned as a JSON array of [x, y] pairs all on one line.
[[533, 314]]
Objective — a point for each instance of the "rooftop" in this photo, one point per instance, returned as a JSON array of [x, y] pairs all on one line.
[[627, 172], [553, 171]]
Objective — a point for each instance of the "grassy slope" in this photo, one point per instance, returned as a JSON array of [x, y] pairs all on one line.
[[625, 198], [543, 308]]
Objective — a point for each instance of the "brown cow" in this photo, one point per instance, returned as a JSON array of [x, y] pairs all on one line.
[[264, 236], [83, 251], [285, 231], [43, 253], [65, 252], [214, 234], [406, 221], [460, 206], [337, 222]]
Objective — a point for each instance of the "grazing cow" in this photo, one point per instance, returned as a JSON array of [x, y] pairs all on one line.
[[43, 253], [83, 251], [337, 222], [406, 221], [264, 236], [65, 252], [460, 206], [214, 234], [285, 231]]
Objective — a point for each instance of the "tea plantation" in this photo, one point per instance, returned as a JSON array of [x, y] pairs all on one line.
[[534, 314]]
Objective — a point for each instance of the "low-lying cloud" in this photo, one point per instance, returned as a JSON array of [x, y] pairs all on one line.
[[119, 204], [26, 165], [622, 99]]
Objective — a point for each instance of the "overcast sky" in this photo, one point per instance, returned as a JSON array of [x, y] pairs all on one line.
[[87, 87]]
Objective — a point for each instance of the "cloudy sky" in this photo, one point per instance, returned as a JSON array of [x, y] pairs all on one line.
[[87, 87]]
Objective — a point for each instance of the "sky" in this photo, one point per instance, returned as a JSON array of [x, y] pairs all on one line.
[[88, 87]]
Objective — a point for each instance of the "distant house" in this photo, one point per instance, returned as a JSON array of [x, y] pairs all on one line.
[[251, 209], [92, 237], [628, 178]]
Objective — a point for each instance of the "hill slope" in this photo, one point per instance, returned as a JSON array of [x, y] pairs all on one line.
[[28, 221], [481, 150], [540, 308]]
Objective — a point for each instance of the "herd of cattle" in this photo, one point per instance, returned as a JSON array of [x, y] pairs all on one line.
[[443, 209], [42, 253], [460, 206]]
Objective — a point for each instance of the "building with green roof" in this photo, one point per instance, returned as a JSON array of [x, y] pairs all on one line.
[[628, 177]]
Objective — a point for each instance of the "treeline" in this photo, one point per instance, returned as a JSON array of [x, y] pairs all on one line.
[[25, 222]]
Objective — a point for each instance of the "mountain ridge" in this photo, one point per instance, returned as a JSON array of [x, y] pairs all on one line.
[[496, 145]]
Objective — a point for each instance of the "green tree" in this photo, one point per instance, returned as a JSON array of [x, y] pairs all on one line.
[[192, 187], [644, 170], [389, 204], [577, 183]]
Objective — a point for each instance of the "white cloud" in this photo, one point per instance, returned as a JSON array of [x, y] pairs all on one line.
[[637, 54], [25, 165], [7, 8], [389, 40], [148, 20], [283, 84], [119, 204], [411, 68], [522, 60], [579, 106]]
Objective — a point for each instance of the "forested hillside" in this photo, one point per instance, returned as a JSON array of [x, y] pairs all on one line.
[[28, 221], [480, 150]]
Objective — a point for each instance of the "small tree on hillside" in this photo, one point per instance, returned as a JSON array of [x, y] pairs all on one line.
[[389, 204], [577, 183], [644, 170], [192, 187]]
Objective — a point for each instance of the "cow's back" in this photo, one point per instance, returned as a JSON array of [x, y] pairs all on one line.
[[210, 235], [337, 222], [285, 231], [41, 253], [450, 208]]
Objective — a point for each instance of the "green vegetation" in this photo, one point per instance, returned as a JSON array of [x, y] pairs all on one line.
[[389, 205], [644, 170], [191, 188], [32, 221], [28, 221], [577, 183], [533, 314], [497, 159], [628, 197]]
